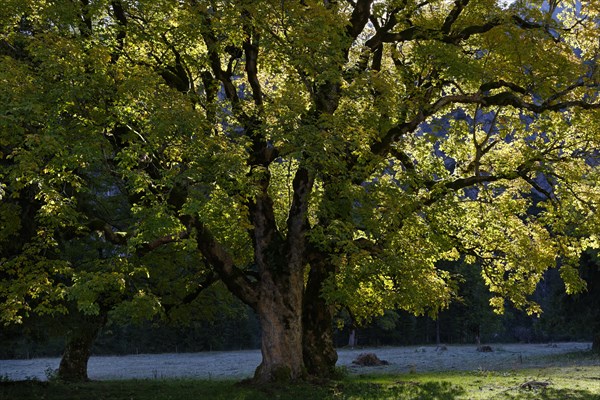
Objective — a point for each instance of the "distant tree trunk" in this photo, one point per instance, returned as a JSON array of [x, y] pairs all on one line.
[[352, 340], [437, 331], [319, 352], [596, 343], [80, 339]]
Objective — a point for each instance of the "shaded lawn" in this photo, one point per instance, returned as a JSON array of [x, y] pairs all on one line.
[[567, 382]]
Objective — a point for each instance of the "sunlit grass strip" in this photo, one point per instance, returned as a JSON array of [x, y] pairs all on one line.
[[567, 382]]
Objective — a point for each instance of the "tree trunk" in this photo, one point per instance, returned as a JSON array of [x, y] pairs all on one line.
[[317, 323], [280, 315], [596, 343], [277, 294], [80, 339], [352, 340]]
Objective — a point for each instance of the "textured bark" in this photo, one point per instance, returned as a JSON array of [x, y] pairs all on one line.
[[280, 315], [281, 264], [80, 339], [319, 352]]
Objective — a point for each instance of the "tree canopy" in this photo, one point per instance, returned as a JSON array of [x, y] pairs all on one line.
[[309, 154]]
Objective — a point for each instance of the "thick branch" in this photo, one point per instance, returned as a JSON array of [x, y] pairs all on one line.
[[266, 237], [251, 50], [178, 76], [107, 231], [459, 5], [219, 259], [215, 61], [486, 87], [360, 17], [156, 243], [444, 33], [119, 15], [297, 222]]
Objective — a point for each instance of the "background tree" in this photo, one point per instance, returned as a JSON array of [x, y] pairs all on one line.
[[316, 153], [574, 317], [63, 208]]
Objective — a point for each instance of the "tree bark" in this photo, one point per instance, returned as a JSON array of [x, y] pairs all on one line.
[[280, 315], [319, 352], [80, 339], [281, 265], [276, 292]]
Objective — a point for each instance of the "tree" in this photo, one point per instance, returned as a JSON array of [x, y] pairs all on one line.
[[321, 153], [577, 316]]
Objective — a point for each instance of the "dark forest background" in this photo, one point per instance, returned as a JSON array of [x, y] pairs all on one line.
[[233, 326]]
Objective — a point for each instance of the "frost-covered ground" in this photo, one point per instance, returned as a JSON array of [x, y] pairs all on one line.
[[241, 364]]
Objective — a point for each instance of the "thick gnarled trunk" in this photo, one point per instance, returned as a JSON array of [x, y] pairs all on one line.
[[280, 315], [80, 339], [319, 353], [276, 291]]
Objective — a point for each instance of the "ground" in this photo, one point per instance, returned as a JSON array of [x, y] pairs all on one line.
[[241, 364]]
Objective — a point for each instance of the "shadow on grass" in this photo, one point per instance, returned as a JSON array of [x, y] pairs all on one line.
[[182, 390], [399, 390], [228, 390], [549, 394]]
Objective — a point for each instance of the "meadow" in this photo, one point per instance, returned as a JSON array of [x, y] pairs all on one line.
[[572, 376]]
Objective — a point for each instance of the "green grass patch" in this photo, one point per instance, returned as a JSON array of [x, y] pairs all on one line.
[[554, 383]]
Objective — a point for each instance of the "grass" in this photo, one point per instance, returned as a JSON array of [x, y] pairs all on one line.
[[572, 380]]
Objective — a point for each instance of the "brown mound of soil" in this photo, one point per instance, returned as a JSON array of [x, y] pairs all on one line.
[[369, 360]]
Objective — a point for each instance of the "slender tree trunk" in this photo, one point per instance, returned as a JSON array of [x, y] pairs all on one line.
[[80, 339], [352, 341], [317, 323], [596, 343], [280, 315]]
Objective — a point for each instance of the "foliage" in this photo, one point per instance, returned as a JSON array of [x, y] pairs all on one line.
[[266, 140]]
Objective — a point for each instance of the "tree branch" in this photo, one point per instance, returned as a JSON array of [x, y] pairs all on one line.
[[360, 17], [459, 5], [106, 230], [486, 87], [444, 33], [208, 280], [119, 15], [297, 223], [219, 259], [251, 49], [500, 99], [215, 61], [156, 243]]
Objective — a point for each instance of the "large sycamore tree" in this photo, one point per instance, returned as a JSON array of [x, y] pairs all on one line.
[[311, 154]]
